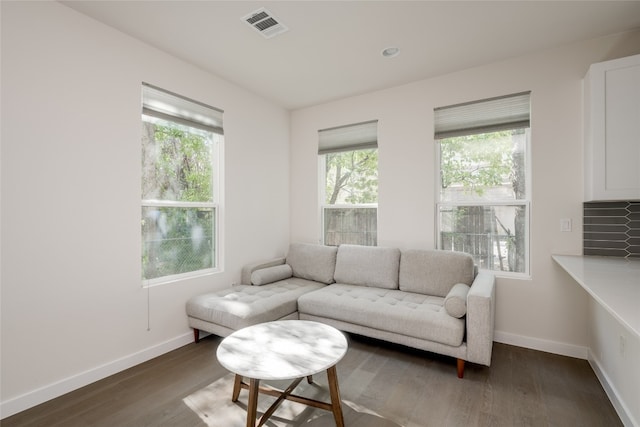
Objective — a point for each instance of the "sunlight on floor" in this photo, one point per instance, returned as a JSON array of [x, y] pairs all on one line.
[[214, 407]]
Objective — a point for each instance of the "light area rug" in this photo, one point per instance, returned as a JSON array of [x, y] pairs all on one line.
[[214, 407]]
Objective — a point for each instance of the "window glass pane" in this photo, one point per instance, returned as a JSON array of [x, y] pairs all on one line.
[[177, 162], [351, 177], [357, 226], [494, 235], [484, 167], [176, 240]]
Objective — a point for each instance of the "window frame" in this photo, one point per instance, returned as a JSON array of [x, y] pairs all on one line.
[[526, 274], [215, 204], [322, 181], [526, 202]]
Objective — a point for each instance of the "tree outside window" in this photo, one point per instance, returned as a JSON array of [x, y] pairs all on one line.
[[351, 196]]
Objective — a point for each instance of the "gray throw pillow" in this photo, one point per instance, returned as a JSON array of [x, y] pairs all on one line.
[[455, 303], [271, 274]]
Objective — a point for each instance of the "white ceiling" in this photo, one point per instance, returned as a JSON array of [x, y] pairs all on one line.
[[333, 48]]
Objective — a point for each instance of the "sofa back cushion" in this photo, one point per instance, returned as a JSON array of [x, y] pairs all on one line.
[[367, 266], [312, 262], [434, 272]]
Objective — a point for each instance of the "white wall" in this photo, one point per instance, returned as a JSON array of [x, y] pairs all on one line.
[[73, 309], [547, 311]]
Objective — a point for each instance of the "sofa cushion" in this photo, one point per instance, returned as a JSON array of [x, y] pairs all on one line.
[[312, 262], [245, 305], [455, 303], [367, 266], [434, 272], [405, 313], [267, 275]]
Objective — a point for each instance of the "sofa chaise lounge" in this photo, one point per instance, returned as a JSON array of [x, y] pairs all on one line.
[[432, 300]]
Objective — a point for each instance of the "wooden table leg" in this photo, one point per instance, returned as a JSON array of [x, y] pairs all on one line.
[[254, 390], [237, 385], [283, 396], [334, 391], [252, 406]]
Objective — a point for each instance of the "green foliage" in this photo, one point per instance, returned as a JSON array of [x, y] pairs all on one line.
[[352, 177], [182, 170], [176, 240], [485, 167], [477, 162], [177, 166]]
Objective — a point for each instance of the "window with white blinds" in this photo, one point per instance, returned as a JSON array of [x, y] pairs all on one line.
[[181, 182], [485, 181], [357, 136], [485, 116], [348, 159], [170, 106]]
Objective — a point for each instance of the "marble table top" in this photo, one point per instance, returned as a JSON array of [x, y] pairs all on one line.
[[281, 350]]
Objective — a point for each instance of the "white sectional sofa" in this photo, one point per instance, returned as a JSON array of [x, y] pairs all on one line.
[[427, 299]]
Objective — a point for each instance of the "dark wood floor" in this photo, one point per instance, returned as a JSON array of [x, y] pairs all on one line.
[[390, 386]]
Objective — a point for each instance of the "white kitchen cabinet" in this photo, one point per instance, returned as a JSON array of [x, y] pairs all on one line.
[[612, 130]]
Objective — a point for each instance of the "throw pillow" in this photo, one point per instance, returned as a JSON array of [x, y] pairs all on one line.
[[271, 274], [455, 303]]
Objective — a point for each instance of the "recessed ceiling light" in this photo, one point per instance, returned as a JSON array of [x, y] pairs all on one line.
[[390, 52]]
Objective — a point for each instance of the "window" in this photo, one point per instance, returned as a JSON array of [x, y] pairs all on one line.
[[181, 142], [484, 185], [349, 173]]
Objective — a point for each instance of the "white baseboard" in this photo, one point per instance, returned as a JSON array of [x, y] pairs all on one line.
[[623, 412], [48, 392], [554, 347]]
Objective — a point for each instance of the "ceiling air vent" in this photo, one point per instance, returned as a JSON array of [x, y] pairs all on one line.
[[265, 23]]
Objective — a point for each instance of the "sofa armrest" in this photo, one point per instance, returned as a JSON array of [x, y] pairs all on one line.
[[481, 318], [245, 276]]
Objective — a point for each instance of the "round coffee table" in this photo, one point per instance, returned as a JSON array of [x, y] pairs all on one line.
[[283, 350]]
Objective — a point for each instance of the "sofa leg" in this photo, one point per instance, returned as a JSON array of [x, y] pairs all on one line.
[[196, 335], [460, 368]]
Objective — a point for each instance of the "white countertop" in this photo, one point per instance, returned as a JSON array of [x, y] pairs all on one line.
[[612, 282]]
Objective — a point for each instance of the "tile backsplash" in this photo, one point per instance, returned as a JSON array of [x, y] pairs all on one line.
[[612, 229]]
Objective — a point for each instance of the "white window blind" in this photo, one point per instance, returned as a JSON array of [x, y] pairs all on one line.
[[166, 105], [488, 115], [356, 136]]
